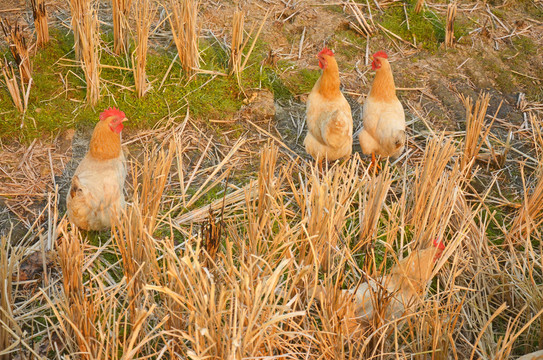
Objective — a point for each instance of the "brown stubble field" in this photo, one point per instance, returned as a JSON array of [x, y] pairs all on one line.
[[234, 246]]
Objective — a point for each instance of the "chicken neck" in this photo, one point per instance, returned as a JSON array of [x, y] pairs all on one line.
[[104, 144], [383, 85], [329, 80]]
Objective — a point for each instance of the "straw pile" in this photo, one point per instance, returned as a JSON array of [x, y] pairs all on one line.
[[39, 11], [361, 26], [530, 216], [15, 88], [121, 10], [449, 29], [28, 175], [8, 260], [145, 13], [475, 119], [292, 241], [17, 46], [184, 24], [238, 60], [85, 27], [237, 42]]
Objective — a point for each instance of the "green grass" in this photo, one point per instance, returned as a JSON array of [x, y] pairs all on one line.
[[427, 27], [301, 81], [348, 45], [521, 57], [52, 109]]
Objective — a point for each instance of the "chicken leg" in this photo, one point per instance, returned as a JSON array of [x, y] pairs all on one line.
[[374, 163]]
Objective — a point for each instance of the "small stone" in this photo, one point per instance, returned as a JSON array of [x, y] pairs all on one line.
[[260, 106]]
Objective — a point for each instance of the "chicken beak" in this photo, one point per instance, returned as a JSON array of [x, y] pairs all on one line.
[[123, 120]]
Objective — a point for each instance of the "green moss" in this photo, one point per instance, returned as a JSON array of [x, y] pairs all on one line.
[[349, 45], [302, 81], [426, 27], [57, 96], [525, 45], [278, 87], [524, 64]]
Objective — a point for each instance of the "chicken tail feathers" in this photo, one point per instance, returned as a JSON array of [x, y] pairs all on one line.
[[76, 186], [399, 139], [393, 142]]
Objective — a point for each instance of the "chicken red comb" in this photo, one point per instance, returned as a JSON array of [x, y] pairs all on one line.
[[112, 112], [326, 51], [439, 244], [380, 54]]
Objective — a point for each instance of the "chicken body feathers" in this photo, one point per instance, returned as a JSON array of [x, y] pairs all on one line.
[[384, 128], [330, 127], [96, 192], [383, 116]]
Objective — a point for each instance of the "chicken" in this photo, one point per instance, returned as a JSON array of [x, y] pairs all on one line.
[[96, 192], [329, 120], [383, 115], [538, 355], [402, 287], [394, 293]]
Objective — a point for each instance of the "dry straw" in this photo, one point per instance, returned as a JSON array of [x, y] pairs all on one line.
[[362, 26], [133, 233], [153, 291], [87, 44], [238, 60], [449, 31], [145, 12], [237, 42], [530, 216], [19, 95], [434, 191], [121, 10], [475, 119], [418, 6], [10, 257], [39, 11], [184, 24], [18, 48], [79, 310], [377, 189], [92, 317], [537, 134], [325, 203]]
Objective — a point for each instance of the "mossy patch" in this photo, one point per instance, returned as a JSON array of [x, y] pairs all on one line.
[[426, 28], [302, 81], [349, 45], [57, 96]]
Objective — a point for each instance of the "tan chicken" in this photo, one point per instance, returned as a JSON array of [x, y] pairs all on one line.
[[402, 287], [329, 120], [96, 193], [383, 115], [396, 292], [538, 355]]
